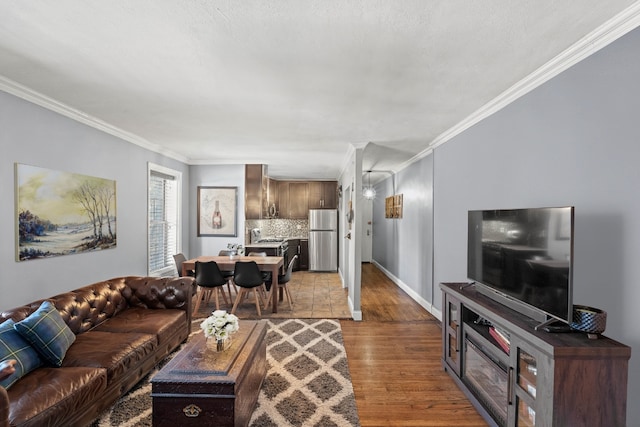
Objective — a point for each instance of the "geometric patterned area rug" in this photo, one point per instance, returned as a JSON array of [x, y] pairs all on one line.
[[307, 383]]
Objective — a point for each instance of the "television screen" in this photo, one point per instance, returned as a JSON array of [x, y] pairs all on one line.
[[524, 256]]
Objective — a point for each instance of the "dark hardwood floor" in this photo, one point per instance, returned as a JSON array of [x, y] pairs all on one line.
[[394, 357], [394, 354]]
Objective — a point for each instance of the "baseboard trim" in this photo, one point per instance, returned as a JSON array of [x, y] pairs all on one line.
[[411, 292], [355, 314]]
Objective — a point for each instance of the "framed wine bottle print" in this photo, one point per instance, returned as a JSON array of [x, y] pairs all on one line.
[[217, 211]]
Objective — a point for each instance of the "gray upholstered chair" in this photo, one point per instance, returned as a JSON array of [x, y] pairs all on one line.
[[179, 259]]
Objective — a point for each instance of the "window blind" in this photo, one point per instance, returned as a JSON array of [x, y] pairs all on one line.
[[163, 227]]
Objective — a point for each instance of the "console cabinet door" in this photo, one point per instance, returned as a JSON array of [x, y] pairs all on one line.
[[452, 332], [528, 391], [526, 388]]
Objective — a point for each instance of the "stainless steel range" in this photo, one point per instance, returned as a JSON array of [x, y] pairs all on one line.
[[272, 246]]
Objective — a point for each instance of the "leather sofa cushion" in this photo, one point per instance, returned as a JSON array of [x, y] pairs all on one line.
[[162, 323], [47, 396], [116, 352], [87, 307]]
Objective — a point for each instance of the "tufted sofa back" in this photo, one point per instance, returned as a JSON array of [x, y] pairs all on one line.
[[87, 307]]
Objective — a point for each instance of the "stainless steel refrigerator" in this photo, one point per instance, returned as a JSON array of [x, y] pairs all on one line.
[[323, 240]]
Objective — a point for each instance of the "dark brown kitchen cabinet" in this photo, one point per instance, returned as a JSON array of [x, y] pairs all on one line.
[[271, 208], [303, 262], [260, 192], [323, 194], [287, 199], [294, 249], [253, 191], [283, 199], [298, 200]]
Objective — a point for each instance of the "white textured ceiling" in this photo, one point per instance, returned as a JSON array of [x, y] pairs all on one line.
[[290, 83]]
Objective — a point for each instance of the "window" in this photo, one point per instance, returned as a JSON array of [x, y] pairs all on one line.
[[164, 219]]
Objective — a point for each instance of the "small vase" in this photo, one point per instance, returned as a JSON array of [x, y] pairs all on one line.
[[218, 345]]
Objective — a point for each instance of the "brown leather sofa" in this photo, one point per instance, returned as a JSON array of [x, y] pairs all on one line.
[[123, 327]]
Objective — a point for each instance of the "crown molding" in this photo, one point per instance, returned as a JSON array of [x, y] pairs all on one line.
[[424, 153], [44, 101], [610, 31]]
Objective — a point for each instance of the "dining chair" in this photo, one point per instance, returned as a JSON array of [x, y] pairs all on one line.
[[283, 280], [179, 258], [248, 277], [228, 274], [210, 280], [266, 275]]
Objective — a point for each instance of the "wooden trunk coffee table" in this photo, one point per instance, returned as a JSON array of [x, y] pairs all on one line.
[[201, 387]]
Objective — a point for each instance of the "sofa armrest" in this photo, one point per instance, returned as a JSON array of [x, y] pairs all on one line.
[[4, 408]]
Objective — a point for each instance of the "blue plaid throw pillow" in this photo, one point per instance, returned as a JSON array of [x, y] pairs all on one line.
[[13, 346], [47, 333]]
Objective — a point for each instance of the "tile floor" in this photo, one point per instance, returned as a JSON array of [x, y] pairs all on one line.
[[315, 295]]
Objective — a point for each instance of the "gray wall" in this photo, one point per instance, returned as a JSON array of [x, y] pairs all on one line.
[[403, 247], [35, 136], [214, 176], [573, 141]]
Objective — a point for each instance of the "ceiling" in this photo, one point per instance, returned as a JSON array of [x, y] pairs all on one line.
[[294, 84]]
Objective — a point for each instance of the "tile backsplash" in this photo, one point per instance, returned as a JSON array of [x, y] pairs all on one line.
[[293, 228]]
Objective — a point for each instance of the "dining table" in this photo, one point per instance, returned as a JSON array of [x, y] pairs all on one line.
[[228, 262]]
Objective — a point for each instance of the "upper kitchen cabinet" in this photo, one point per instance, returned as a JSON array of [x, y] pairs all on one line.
[[293, 199], [271, 198], [283, 199], [323, 195], [298, 200], [271, 210], [253, 176], [260, 193]]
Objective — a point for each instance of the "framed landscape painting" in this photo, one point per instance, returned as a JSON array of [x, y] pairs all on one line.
[[217, 211], [61, 213]]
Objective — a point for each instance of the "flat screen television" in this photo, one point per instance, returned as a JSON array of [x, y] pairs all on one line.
[[523, 258]]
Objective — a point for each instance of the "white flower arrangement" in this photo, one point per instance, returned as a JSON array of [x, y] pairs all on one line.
[[237, 248], [220, 325]]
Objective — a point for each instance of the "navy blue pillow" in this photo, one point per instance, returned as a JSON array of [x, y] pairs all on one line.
[[13, 346], [47, 332]]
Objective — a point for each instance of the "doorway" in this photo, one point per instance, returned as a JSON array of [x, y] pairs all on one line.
[[367, 231]]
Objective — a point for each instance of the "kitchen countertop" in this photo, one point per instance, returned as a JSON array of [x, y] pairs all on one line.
[[274, 244], [264, 245]]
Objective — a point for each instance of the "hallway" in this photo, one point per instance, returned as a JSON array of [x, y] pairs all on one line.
[[394, 358]]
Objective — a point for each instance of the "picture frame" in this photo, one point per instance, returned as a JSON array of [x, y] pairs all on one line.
[[388, 207], [217, 211], [393, 206], [62, 213]]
